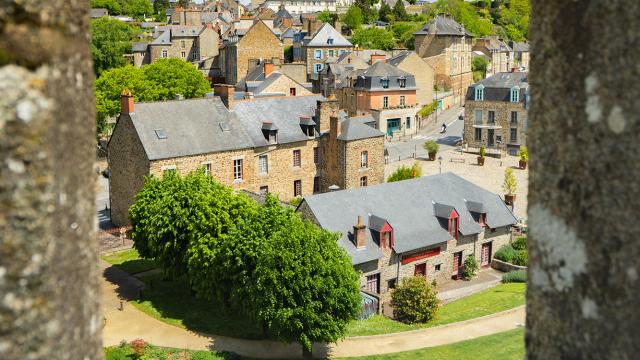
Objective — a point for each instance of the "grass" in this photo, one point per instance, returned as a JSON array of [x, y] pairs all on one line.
[[129, 261], [500, 298], [506, 345], [125, 352]]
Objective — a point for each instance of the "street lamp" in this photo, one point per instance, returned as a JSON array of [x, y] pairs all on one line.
[[440, 160]]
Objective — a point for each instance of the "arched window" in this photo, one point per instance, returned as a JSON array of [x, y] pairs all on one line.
[[479, 92], [515, 94]]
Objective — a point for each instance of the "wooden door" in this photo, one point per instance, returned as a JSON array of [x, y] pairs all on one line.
[[372, 283], [485, 254], [457, 262], [420, 270]]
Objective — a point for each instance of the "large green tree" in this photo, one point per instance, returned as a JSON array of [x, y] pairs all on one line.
[[113, 6], [374, 38], [353, 18], [110, 40], [137, 8], [399, 11], [384, 12]]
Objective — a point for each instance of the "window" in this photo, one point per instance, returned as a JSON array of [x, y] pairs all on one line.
[[317, 68], [514, 136], [515, 94], [263, 162], [292, 91], [407, 122], [401, 100], [207, 169], [237, 169], [164, 53], [340, 52], [514, 117], [296, 158], [438, 267], [385, 83], [385, 102], [364, 159], [196, 55], [453, 226], [482, 219], [316, 184], [330, 53], [402, 82], [183, 54], [491, 116], [478, 114], [297, 188], [478, 135], [264, 190], [182, 44], [420, 269], [391, 284], [316, 155], [363, 181], [317, 54], [329, 40], [372, 283], [479, 93]]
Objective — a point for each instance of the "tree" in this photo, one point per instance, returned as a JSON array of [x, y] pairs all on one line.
[[177, 76], [369, 13], [384, 12], [353, 17], [406, 173], [111, 5], [110, 40], [328, 17], [374, 38], [160, 8], [414, 301], [399, 11], [510, 185], [184, 3], [479, 67], [137, 8], [470, 267]]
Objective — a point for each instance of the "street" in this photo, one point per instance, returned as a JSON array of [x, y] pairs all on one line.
[[405, 149]]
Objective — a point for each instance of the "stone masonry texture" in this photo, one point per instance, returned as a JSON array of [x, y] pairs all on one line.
[[582, 297], [49, 289]]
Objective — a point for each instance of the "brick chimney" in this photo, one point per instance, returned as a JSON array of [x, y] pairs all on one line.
[[359, 233], [225, 92], [126, 102], [335, 129], [268, 69]]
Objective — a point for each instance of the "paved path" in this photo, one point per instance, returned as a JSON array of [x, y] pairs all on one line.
[[130, 323]]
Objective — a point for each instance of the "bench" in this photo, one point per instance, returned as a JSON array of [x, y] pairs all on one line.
[[460, 160]]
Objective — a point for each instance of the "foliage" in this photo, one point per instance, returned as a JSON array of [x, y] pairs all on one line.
[[384, 12], [137, 8], [296, 201], [483, 151], [403, 32], [138, 346], [506, 253], [464, 13], [125, 352], [399, 12], [374, 38], [428, 109], [369, 12], [521, 258], [520, 243], [518, 276], [523, 152], [515, 253], [110, 40], [510, 185], [480, 63], [129, 261], [111, 5], [414, 300], [514, 17], [176, 77], [406, 173], [160, 9], [431, 146], [470, 268], [328, 17], [353, 18]]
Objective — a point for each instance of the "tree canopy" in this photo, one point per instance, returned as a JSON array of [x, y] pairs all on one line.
[[113, 6], [399, 12], [328, 17], [353, 18], [406, 173], [137, 8], [374, 38], [110, 40]]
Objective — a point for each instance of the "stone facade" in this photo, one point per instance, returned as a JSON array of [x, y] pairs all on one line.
[[316, 61], [503, 128], [424, 75], [194, 49]]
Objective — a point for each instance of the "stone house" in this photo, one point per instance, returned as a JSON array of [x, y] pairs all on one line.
[[521, 54], [446, 46], [496, 112], [268, 79], [325, 43], [422, 72], [500, 54], [426, 226], [259, 42], [336, 70], [300, 6], [289, 146]]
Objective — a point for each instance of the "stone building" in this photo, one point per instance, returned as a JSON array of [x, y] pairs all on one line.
[[197, 44], [496, 112], [446, 46], [269, 79], [521, 54], [236, 53], [499, 54], [422, 72], [316, 48], [289, 146], [300, 6], [426, 226]]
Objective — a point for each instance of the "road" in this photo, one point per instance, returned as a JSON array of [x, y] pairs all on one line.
[[405, 149]]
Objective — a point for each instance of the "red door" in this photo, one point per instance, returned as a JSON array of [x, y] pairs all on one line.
[[372, 283], [485, 254], [457, 262], [420, 270]]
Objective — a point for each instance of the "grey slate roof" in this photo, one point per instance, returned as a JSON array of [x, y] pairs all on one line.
[[354, 128], [443, 25], [398, 58], [283, 112], [163, 34], [139, 46], [519, 46], [326, 32], [498, 87], [192, 127], [371, 78], [99, 12], [408, 206]]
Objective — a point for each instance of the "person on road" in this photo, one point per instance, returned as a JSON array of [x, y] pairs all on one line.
[[444, 127]]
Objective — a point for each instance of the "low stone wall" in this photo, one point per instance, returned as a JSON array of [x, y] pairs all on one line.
[[505, 266]]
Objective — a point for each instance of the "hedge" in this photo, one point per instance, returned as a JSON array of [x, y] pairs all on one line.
[[515, 276]]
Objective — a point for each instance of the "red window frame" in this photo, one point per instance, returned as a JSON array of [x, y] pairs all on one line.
[[454, 224], [386, 236], [482, 220]]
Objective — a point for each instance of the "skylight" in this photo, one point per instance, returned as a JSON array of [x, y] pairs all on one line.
[[161, 134]]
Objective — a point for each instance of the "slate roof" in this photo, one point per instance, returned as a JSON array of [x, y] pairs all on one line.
[[163, 34], [408, 206], [371, 78], [356, 128], [398, 58], [443, 25], [283, 13], [498, 87], [99, 12], [192, 127], [520, 46], [139, 46], [326, 32]]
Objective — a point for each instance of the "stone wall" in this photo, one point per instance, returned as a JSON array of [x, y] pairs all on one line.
[[503, 124], [311, 61], [505, 266], [258, 43], [353, 171], [284, 85], [423, 74]]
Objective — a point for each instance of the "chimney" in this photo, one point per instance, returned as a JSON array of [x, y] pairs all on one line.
[[338, 27], [225, 92], [378, 57], [335, 127], [324, 110], [126, 102], [359, 233], [268, 69]]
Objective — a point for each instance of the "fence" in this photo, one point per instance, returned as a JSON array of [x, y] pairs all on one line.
[[369, 305]]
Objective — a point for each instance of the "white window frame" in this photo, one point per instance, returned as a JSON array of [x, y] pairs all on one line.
[[402, 100], [364, 159], [479, 93], [207, 168], [263, 164], [515, 94], [317, 54], [385, 102], [164, 54], [238, 171]]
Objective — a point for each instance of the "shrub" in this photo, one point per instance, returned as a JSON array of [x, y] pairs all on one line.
[[296, 201], [506, 253], [523, 153], [515, 276], [521, 258], [470, 267], [431, 146], [138, 346], [405, 173], [510, 185], [520, 243], [483, 152], [414, 301]]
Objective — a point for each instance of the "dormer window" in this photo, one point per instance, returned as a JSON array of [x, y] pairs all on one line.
[[308, 126], [402, 81], [330, 41], [385, 83], [482, 219], [270, 132], [454, 225], [515, 94], [479, 93]]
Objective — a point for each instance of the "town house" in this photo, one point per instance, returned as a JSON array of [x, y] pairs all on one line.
[[325, 43], [422, 72], [498, 53], [289, 146], [426, 226], [496, 112]]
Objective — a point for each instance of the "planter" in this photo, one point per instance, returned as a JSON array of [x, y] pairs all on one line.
[[523, 164], [432, 156], [509, 199], [480, 160]]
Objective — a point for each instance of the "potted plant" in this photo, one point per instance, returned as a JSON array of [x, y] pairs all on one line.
[[509, 186], [432, 148], [524, 157], [481, 157]]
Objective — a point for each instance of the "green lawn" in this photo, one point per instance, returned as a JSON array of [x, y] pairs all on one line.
[[503, 346], [125, 352], [496, 299], [129, 261]]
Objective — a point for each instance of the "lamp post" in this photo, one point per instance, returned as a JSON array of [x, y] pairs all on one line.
[[440, 160]]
